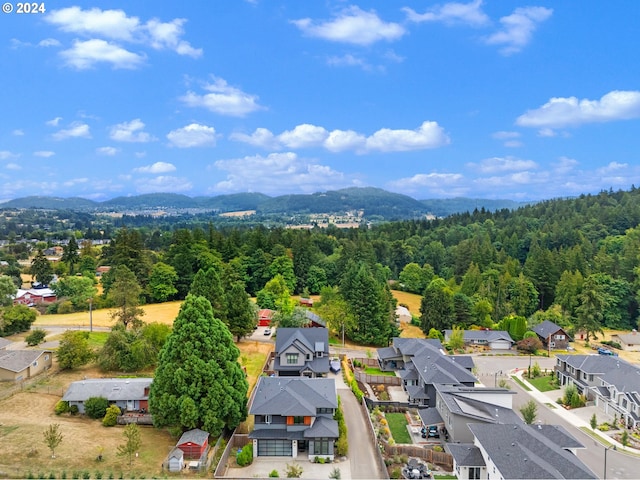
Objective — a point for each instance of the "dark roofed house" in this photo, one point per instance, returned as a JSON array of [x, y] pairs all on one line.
[[628, 341], [302, 352], [552, 336], [467, 460], [193, 443], [17, 365], [130, 394], [4, 343], [522, 451], [292, 415]]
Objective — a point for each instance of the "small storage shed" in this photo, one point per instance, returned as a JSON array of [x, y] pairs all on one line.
[[193, 443], [176, 460]]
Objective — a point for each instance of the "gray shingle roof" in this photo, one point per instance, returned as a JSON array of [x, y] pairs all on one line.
[[309, 337], [411, 346], [322, 427], [465, 454], [440, 368], [18, 360], [460, 404], [4, 343], [293, 396], [523, 451], [429, 416], [485, 335], [547, 328], [113, 389], [613, 370], [197, 436]]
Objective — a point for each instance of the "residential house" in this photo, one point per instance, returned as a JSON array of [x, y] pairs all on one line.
[[56, 250], [519, 451], [305, 302], [130, 394], [552, 336], [34, 296], [314, 320], [402, 350], [493, 339], [101, 270], [612, 383], [403, 315], [629, 342], [302, 352], [293, 415], [194, 443], [17, 365], [459, 406]]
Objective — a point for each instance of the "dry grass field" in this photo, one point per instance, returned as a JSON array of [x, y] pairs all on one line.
[[411, 300]]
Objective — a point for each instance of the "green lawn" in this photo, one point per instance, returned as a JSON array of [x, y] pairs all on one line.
[[398, 427], [544, 384], [377, 371], [521, 383]]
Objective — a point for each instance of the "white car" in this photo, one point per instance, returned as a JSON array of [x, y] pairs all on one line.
[[267, 331]]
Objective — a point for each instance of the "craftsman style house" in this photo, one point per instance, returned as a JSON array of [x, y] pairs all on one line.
[[293, 415], [302, 352], [552, 336]]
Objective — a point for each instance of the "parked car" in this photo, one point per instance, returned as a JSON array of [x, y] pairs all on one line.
[[606, 351], [267, 331], [334, 365], [433, 432]]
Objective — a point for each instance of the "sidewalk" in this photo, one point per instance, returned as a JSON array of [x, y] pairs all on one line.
[[578, 418]]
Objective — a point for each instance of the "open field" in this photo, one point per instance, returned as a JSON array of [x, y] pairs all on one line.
[[411, 300]]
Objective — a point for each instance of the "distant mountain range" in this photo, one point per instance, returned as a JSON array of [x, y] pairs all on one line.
[[374, 202]]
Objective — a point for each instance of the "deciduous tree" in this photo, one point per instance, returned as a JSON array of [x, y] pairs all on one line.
[[124, 295], [53, 438], [132, 442]]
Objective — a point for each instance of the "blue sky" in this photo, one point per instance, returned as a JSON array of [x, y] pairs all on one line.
[[484, 99]]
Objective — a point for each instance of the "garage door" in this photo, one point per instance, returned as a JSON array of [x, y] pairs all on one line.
[[274, 448]]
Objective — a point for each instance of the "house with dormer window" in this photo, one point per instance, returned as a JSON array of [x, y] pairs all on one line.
[[302, 352], [294, 415]]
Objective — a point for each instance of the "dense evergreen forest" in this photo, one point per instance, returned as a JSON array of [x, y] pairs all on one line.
[[573, 261]]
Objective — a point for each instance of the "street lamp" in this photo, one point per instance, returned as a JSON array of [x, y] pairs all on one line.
[[605, 460], [91, 315], [529, 373], [495, 378]]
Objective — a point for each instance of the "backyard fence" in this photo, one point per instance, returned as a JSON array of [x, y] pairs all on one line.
[[442, 459]]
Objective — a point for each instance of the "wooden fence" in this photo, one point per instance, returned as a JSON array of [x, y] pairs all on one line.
[[443, 459]]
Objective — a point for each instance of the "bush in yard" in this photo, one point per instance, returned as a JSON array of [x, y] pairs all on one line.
[[96, 407], [61, 407], [111, 416], [245, 457], [35, 337], [274, 474]]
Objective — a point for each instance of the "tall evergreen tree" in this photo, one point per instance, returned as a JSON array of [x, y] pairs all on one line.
[[41, 269], [70, 254], [199, 382], [207, 284], [241, 313], [436, 306], [124, 294]]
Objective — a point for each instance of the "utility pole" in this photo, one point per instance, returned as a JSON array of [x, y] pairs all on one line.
[[91, 315]]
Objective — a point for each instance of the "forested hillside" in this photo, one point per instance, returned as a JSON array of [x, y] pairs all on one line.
[[573, 261]]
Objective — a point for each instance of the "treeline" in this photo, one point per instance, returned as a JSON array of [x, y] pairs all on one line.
[[573, 261]]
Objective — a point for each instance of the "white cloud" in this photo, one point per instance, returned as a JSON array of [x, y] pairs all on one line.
[[513, 143], [428, 135], [75, 181], [75, 130], [13, 166], [49, 42], [7, 155], [562, 112], [223, 99], [163, 184], [140, 154], [343, 140], [451, 13], [261, 137], [546, 132], [349, 60], [107, 151], [85, 54], [303, 136], [354, 26], [17, 132], [431, 184], [193, 135], [44, 153], [518, 28], [116, 25], [155, 168], [278, 173], [612, 167], [504, 164], [54, 122], [130, 132], [167, 35], [564, 165]]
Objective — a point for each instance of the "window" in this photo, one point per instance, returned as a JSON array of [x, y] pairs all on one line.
[[324, 410], [319, 354], [591, 378], [584, 375], [321, 446], [46, 357], [298, 420], [474, 473], [559, 337], [35, 364], [267, 419], [292, 358]]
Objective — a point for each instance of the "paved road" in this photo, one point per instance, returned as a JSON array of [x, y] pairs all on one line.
[[619, 465]]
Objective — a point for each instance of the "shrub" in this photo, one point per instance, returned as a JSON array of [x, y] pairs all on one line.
[[342, 446], [335, 474], [274, 474], [111, 416], [73, 409], [61, 407], [65, 307], [35, 337], [245, 457], [396, 473], [294, 470], [604, 427], [96, 407]]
